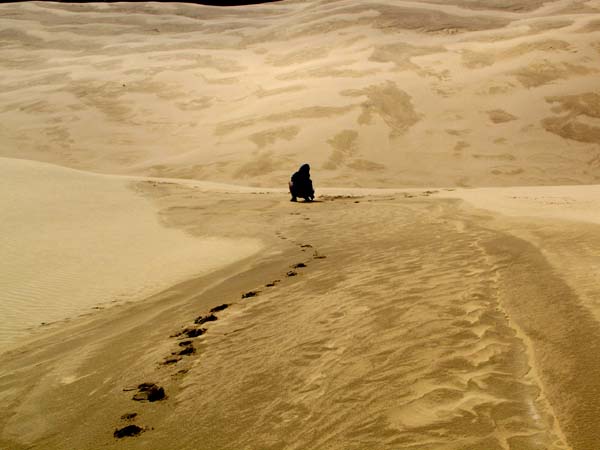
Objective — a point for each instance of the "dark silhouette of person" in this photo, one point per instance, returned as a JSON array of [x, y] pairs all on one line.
[[301, 184]]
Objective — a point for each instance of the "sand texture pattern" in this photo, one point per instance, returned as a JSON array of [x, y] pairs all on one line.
[[159, 291], [74, 241], [463, 93]]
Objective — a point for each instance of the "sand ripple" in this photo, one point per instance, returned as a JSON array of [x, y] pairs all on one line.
[[404, 345]]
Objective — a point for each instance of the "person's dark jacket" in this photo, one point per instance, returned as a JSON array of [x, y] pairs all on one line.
[[301, 184]]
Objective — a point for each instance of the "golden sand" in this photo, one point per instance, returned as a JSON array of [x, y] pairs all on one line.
[[442, 293]]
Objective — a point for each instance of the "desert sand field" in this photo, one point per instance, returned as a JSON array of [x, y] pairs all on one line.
[[159, 291]]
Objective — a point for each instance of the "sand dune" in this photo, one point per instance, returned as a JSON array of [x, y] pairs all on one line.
[[418, 326], [426, 362], [442, 293], [236, 94], [73, 241]]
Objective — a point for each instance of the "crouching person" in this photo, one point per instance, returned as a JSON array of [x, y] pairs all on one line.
[[301, 185]]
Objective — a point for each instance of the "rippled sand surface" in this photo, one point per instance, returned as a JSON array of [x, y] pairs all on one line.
[[375, 94], [416, 322], [441, 293], [405, 344]]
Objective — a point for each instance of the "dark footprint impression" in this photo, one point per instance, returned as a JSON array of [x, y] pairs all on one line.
[[250, 294], [193, 332], [315, 253], [298, 266], [149, 392], [180, 373], [190, 332], [219, 308], [171, 360], [188, 348], [128, 431], [203, 319], [272, 283]]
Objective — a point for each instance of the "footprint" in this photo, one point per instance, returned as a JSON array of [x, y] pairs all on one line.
[[272, 283], [128, 431], [306, 246], [188, 350], [316, 255], [169, 361], [191, 332], [203, 319], [250, 294], [292, 273], [298, 266], [180, 373], [149, 392], [219, 308]]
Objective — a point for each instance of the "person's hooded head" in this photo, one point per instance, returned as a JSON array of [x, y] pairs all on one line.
[[304, 169]]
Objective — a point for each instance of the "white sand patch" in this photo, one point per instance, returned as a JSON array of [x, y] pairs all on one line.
[[578, 203], [71, 240]]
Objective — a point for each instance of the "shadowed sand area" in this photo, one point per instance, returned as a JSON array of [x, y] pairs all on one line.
[[441, 293]]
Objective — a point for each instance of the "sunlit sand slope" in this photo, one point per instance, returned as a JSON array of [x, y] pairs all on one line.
[[72, 241], [382, 93], [428, 318], [413, 322]]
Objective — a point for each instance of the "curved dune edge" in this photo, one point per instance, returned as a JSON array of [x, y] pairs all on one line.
[[73, 241]]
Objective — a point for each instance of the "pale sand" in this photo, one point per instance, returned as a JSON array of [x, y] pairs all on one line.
[[426, 318], [381, 94], [568, 203], [72, 241]]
